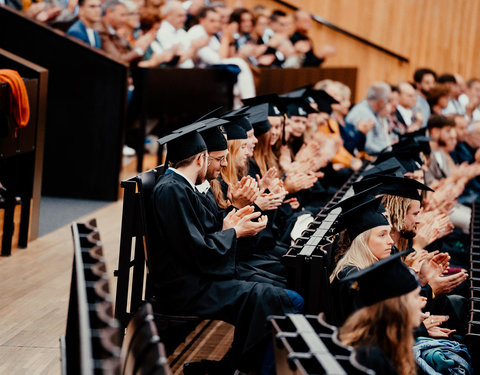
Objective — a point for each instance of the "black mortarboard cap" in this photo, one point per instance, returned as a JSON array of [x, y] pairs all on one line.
[[389, 166], [235, 131], [392, 185], [356, 199], [387, 278], [420, 142], [274, 104], [362, 216], [258, 116], [239, 117], [323, 99], [409, 157], [184, 142], [297, 106], [213, 135]]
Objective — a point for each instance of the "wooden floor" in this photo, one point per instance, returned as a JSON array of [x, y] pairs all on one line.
[[34, 288]]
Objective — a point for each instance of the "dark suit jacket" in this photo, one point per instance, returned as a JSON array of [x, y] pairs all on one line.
[[79, 31], [15, 4]]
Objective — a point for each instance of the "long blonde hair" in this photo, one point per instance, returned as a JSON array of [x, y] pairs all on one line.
[[264, 155], [230, 174], [387, 325], [358, 255], [397, 209]]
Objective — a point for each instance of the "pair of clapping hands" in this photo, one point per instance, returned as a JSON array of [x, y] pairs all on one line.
[[250, 191]]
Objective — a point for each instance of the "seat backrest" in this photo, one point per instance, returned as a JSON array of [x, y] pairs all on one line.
[[132, 288], [141, 335], [154, 361]]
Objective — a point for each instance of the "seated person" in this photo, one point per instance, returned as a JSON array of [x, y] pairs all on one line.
[[199, 276], [390, 296], [89, 15]]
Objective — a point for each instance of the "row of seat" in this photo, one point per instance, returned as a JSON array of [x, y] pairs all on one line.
[[472, 336], [306, 344], [93, 343], [309, 261]]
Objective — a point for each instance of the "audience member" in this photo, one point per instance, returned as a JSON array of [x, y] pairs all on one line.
[[89, 16], [114, 17], [373, 108], [303, 43], [407, 100], [424, 81]]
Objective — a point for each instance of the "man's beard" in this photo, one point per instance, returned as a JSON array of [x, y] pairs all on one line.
[[408, 234], [201, 177]]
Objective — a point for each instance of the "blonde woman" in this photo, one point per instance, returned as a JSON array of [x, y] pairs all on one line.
[[369, 232]]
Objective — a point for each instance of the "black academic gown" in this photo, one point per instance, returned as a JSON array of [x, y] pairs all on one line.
[[345, 300], [251, 271], [194, 272], [375, 359]]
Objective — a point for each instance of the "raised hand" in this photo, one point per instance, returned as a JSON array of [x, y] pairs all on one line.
[[246, 227], [234, 216], [446, 284], [267, 202], [244, 193]]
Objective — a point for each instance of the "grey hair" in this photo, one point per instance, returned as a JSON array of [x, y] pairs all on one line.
[[170, 6], [110, 4], [379, 91]]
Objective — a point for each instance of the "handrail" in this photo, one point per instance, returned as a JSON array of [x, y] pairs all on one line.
[[347, 33]]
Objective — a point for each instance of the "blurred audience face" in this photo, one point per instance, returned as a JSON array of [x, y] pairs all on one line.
[[297, 125], [211, 23], [261, 23], [224, 13], [90, 12], [407, 97], [445, 137], [116, 17], [393, 101], [133, 19], [177, 17], [426, 84], [461, 124], [246, 23], [303, 22], [275, 128], [279, 25], [474, 90]]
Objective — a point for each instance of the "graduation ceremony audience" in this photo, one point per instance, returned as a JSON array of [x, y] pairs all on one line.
[[404, 213], [242, 185]]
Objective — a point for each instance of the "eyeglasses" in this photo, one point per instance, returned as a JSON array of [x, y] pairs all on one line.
[[220, 159]]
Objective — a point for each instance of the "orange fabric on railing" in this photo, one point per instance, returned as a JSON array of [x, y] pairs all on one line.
[[19, 104]]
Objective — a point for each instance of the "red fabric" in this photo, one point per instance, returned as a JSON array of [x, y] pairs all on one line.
[[19, 104]]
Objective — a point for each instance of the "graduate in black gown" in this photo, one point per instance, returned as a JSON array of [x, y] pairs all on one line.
[[381, 331], [369, 234], [193, 272]]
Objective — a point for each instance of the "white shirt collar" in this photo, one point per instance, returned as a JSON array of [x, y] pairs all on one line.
[[185, 177], [203, 187]]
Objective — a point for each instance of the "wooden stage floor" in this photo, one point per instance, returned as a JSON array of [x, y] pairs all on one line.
[[34, 291]]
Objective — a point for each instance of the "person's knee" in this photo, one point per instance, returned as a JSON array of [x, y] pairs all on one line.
[[297, 300]]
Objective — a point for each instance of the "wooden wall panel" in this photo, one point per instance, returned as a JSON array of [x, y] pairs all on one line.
[[441, 34]]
